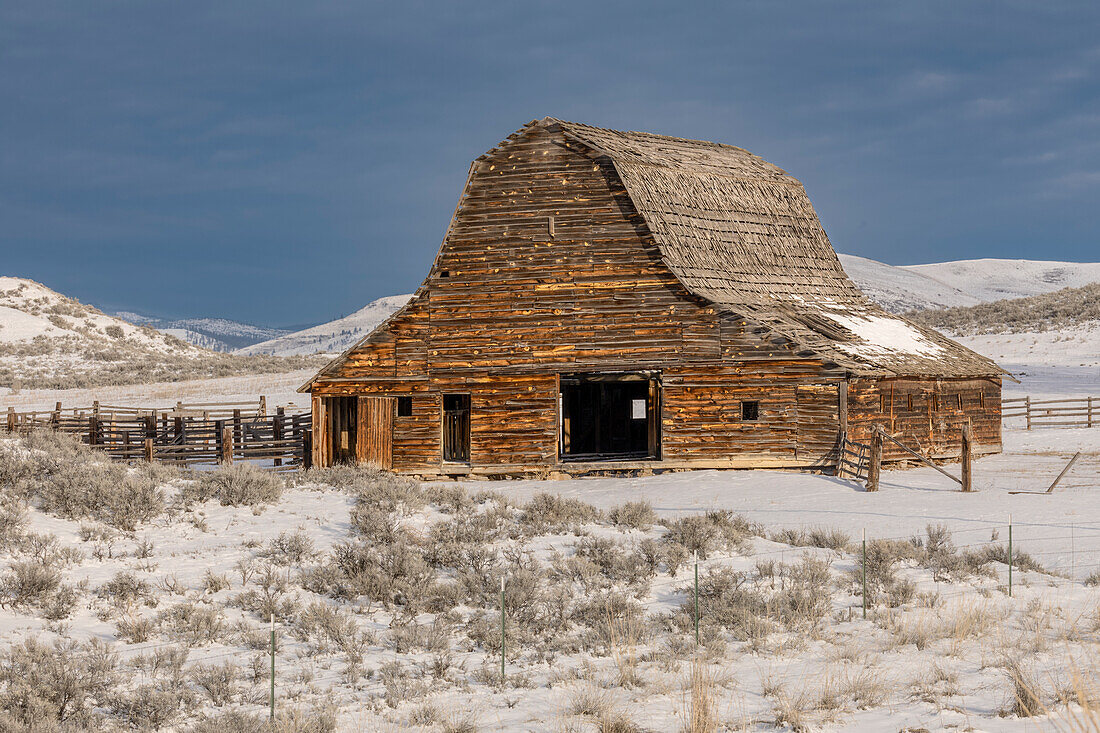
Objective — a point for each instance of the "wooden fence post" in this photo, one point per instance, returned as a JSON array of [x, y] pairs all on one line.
[[225, 455], [307, 448], [277, 431], [93, 429], [842, 410], [1027, 409], [263, 406], [11, 419], [238, 434], [149, 450], [874, 470], [177, 425], [55, 418], [967, 453]]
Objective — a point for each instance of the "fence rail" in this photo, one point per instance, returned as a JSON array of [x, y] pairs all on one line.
[[185, 434], [1077, 412], [854, 460]]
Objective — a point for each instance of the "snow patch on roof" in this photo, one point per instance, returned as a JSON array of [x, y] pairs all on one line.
[[884, 334]]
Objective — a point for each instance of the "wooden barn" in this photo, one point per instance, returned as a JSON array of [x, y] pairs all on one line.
[[610, 300]]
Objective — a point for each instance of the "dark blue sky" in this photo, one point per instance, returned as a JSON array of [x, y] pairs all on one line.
[[285, 162]]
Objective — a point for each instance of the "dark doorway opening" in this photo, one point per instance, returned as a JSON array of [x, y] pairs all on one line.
[[456, 428], [343, 420], [610, 416]]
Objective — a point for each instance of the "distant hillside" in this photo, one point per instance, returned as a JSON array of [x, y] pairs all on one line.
[[332, 337], [52, 341], [218, 334], [1036, 313], [997, 279], [899, 289]]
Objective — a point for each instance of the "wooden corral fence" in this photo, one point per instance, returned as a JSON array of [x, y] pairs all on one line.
[[1076, 412], [185, 434], [863, 462], [854, 460]]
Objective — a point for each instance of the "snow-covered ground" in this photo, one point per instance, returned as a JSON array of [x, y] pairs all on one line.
[[1063, 528], [280, 389], [1047, 365], [939, 661]]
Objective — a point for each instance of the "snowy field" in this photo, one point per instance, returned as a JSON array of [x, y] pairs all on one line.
[[1063, 528], [388, 613], [280, 389], [1048, 365]]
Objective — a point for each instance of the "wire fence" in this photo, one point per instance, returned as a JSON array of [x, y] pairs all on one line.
[[675, 591]]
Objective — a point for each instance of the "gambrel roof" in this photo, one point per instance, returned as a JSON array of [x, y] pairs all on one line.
[[742, 234]]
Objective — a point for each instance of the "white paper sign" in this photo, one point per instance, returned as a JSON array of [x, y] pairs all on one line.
[[637, 409]]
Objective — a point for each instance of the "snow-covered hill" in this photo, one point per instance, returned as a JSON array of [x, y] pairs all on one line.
[[993, 279], [334, 336], [43, 331], [219, 334], [963, 282], [898, 289], [51, 341]]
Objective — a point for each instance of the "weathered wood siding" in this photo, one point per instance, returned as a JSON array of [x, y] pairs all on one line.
[[514, 299], [927, 414], [703, 417], [818, 426], [374, 433]]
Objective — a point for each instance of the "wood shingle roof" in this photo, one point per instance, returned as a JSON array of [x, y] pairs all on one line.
[[742, 234]]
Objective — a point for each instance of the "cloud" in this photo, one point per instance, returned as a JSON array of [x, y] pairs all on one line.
[[345, 128]]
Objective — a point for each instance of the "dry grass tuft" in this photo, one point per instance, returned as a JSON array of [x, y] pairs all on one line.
[[700, 704]]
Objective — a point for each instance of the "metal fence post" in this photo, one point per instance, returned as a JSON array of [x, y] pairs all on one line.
[[864, 571], [273, 667], [696, 558]]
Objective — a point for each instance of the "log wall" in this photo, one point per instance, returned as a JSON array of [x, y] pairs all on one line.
[[927, 414], [547, 268]]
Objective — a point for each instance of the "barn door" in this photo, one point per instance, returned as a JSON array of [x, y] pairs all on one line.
[[374, 433], [342, 425], [610, 416], [818, 423], [456, 428]]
